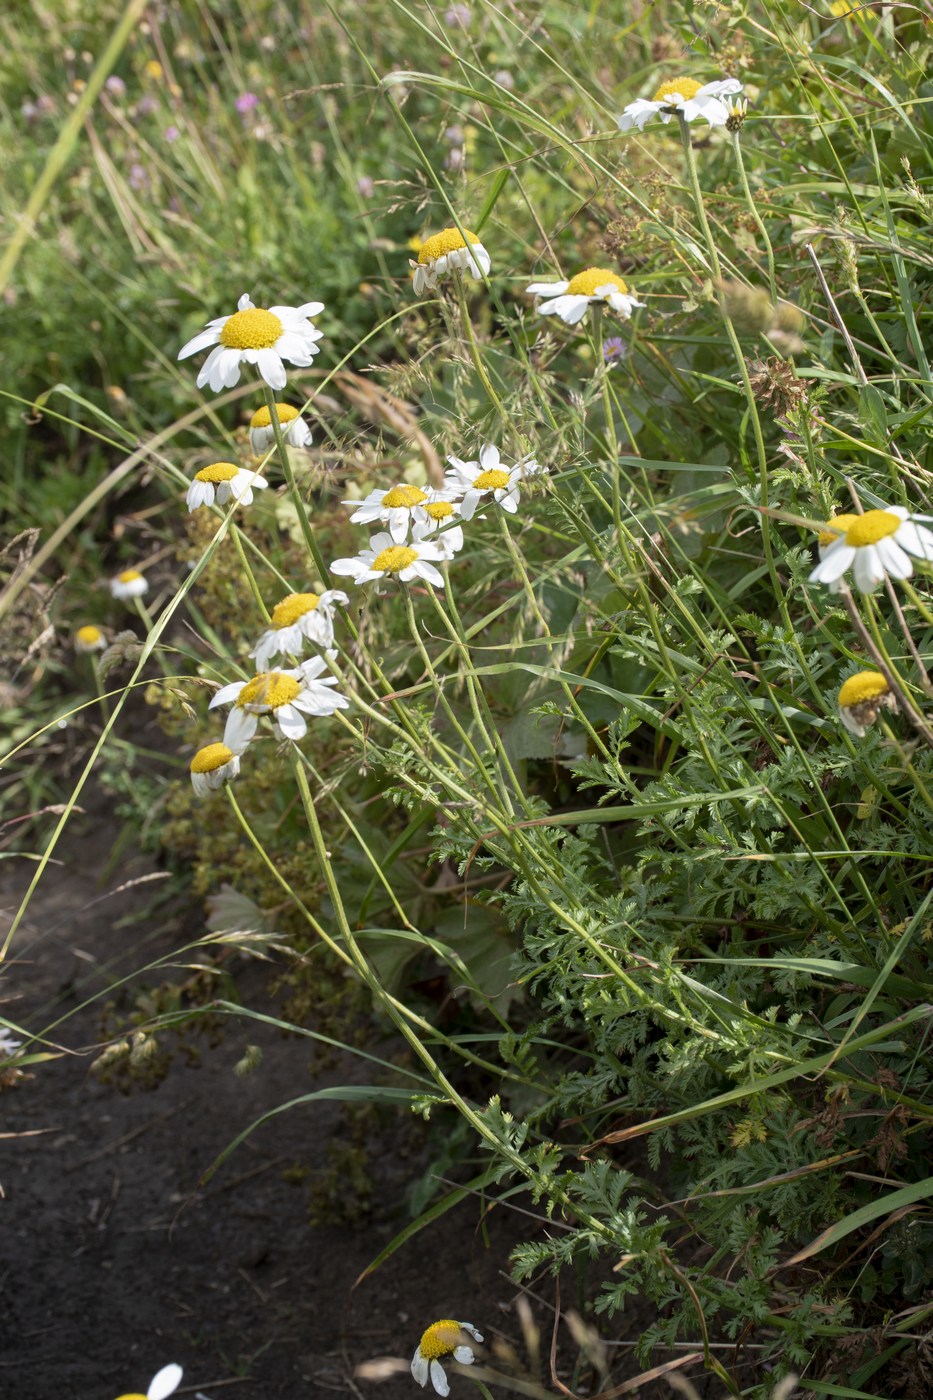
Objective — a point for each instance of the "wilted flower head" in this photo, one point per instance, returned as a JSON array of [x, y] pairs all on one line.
[[445, 1338], [211, 767], [447, 252], [862, 698]]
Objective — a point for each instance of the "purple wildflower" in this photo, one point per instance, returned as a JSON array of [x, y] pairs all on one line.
[[246, 102], [614, 349]]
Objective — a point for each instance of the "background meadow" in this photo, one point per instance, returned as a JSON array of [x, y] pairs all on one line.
[[590, 864]]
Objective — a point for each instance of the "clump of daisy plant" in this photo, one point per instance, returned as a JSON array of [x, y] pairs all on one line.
[[445, 253], [446, 1338], [684, 98], [254, 335]]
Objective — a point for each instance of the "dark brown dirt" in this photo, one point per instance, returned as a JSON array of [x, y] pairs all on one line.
[[113, 1262]]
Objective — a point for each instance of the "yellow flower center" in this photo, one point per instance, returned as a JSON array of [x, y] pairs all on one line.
[[210, 757], [154, 70], [439, 510], [254, 329], [129, 576], [394, 559], [681, 87], [89, 636], [404, 496], [293, 607], [490, 481], [835, 528], [269, 688], [131, 1397], [585, 283], [262, 418], [871, 527], [440, 1339], [217, 471], [446, 242], [866, 685]]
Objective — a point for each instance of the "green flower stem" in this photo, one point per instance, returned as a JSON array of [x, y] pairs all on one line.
[[469, 332], [905, 632], [874, 645], [99, 686], [612, 442], [149, 625], [753, 210], [753, 415], [250, 576], [296, 496]]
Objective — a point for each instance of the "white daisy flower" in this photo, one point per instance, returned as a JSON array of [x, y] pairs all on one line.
[[163, 1384], [474, 480], [130, 584], [447, 252], [682, 97], [831, 532], [211, 767], [862, 698], [444, 1338], [873, 545], [262, 436], [264, 338], [385, 557], [437, 515], [221, 480], [285, 695], [297, 618], [571, 300], [395, 508], [89, 638]]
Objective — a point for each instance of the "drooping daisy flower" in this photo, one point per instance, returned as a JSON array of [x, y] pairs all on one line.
[[130, 584], [682, 97], [219, 482], [875, 544], [163, 1384], [444, 1338], [298, 617], [211, 767], [488, 476], [394, 508], [264, 338], [447, 252], [386, 558], [437, 515], [862, 698], [285, 695], [89, 638], [571, 300], [262, 435]]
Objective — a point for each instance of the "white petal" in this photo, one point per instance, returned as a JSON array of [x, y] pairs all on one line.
[[464, 1355], [725, 87], [438, 1378], [468, 1327], [291, 722], [547, 289], [271, 368], [245, 303], [239, 729], [426, 571], [200, 342], [226, 693], [893, 559], [571, 308], [868, 569], [489, 457], [419, 1366], [349, 568], [164, 1383], [836, 560]]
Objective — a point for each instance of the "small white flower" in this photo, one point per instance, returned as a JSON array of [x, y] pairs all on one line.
[[447, 252], [255, 336], [130, 584], [89, 638], [862, 698], [474, 480], [262, 435], [685, 97], [285, 695], [211, 767], [402, 561], [571, 300], [436, 516], [297, 618], [163, 1384], [874, 545], [221, 481], [444, 1338], [395, 508], [8, 1046]]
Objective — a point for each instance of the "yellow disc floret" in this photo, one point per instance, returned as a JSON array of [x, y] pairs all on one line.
[[89, 636], [270, 689], [679, 87], [210, 758], [217, 471], [871, 527], [863, 687], [404, 497], [490, 481], [835, 528], [132, 1397], [440, 1339], [439, 510], [446, 242], [262, 418], [585, 283], [254, 329], [293, 607], [394, 559], [129, 576]]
